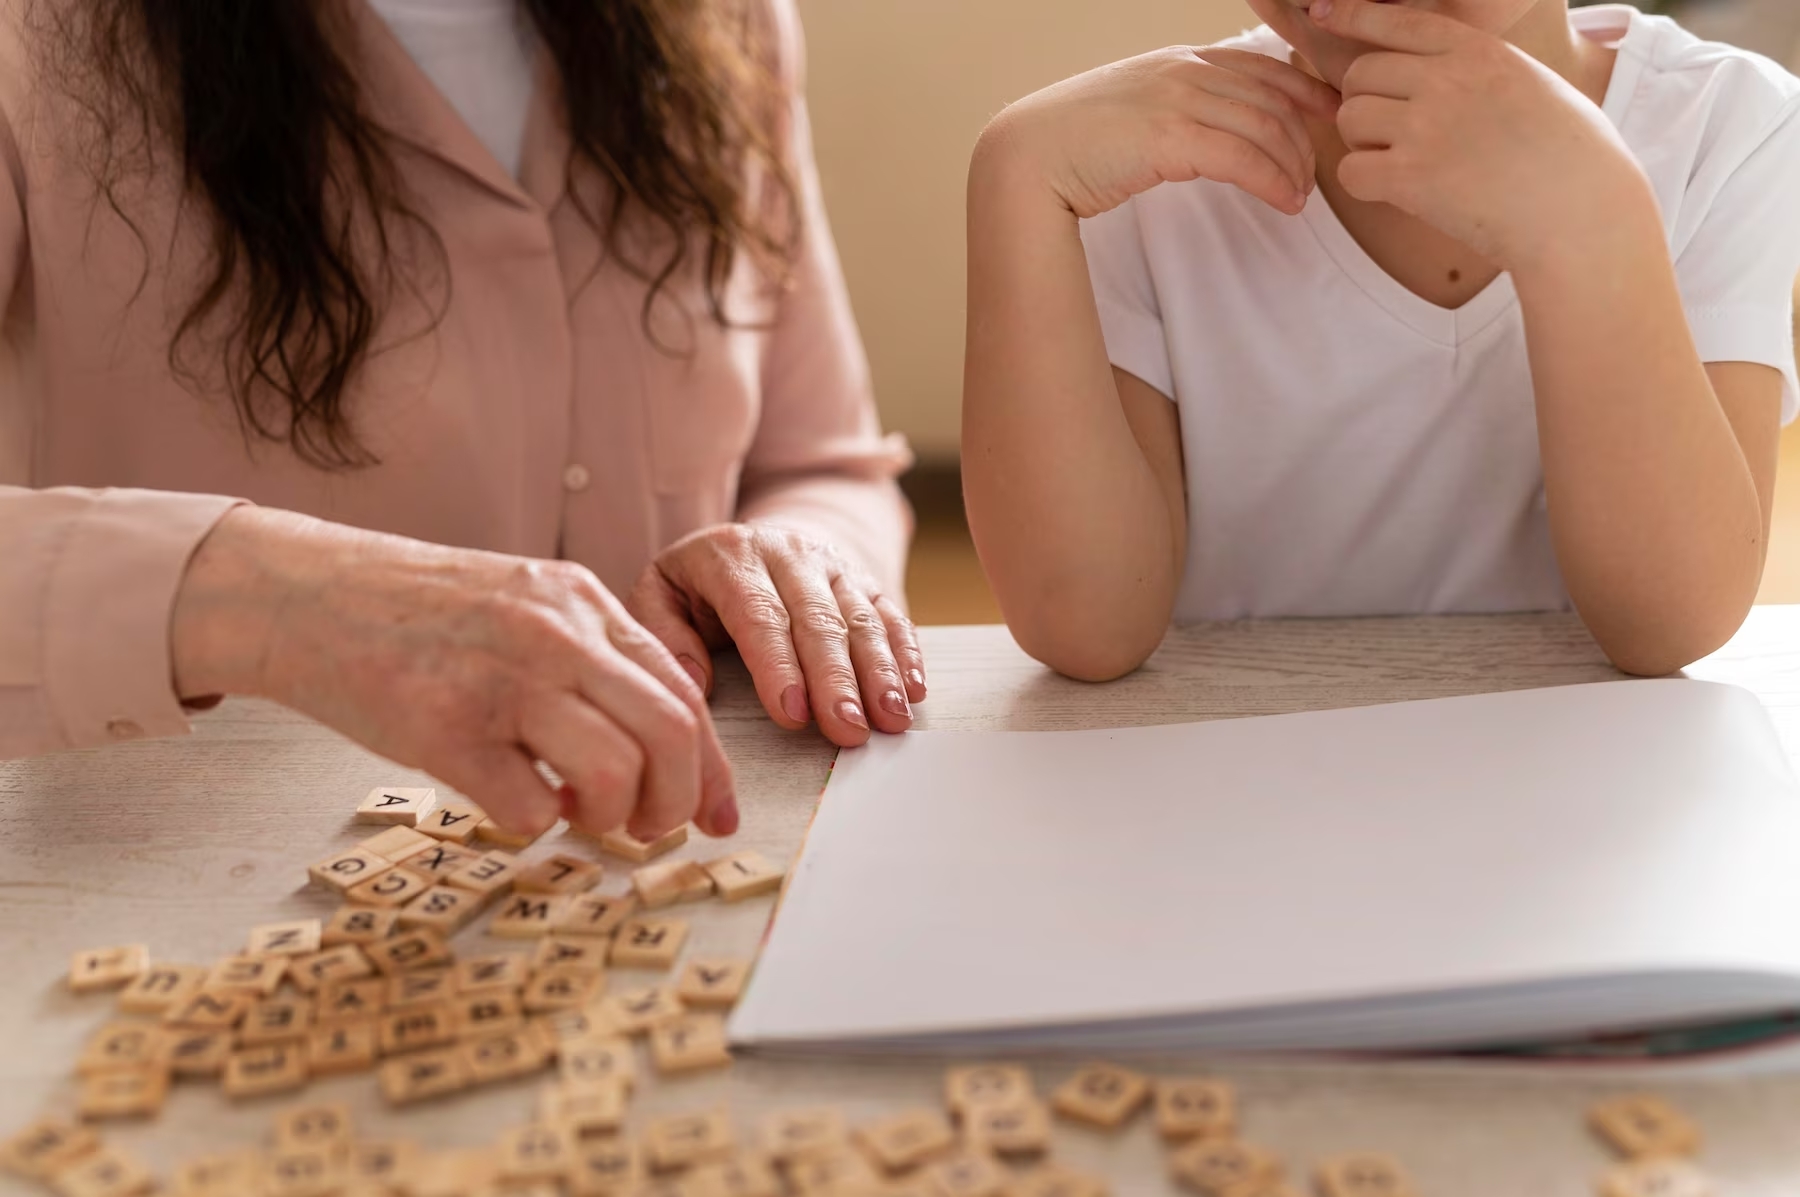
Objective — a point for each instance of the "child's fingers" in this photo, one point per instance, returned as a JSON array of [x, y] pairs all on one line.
[[1227, 158], [1390, 26], [1246, 89], [1262, 130], [1313, 95], [1384, 73], [1371, 122], [1373, 176]]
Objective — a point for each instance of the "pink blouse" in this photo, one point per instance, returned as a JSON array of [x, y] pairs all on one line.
[[537, 419]]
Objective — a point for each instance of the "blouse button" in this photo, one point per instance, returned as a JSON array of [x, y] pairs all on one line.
[[576, 479], [124, 729]]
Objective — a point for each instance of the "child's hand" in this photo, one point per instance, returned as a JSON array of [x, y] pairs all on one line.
[[1471, 135], [1172, 116]]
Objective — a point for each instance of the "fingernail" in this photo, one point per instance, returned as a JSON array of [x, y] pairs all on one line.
[[725, 818], [894, 703], [849, 712], [1320, 9], [793, 704], [916, 678], [694, 671]]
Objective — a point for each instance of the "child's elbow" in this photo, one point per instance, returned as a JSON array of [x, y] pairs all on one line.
[[1085, 651], [1668, 650]]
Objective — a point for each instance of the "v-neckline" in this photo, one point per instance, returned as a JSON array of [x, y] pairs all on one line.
[[1452, 327]]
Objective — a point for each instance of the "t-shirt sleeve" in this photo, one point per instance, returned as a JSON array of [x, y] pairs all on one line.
[[1125, 292], [1737, 272]]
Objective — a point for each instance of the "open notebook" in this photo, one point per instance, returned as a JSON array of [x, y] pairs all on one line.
[[1483, 870]]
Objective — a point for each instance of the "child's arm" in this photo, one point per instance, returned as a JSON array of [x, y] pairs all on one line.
[[1658, 471], [1072, 470]]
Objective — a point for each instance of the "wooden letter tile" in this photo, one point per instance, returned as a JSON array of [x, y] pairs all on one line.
[[351, 1001], [967, 1175], [504, 972], [635, 1011], [562, 989], [276, 1020], [745, 875], [415, 1028], [46, 1147], [623, 843], [106, 1172], [356, 925], [559, 874], [252, 976], [441, 908], [298, 938], [1657, 1178], [351, 867], [1641, 1125], [907, 1140], [304, 1172], [1363, 1175], [1224, 1167], [574, 1026], [986, 1084], [404, 953], [208, 1011], [536, 1152], [712, 984], [834, 1170], [683, 1140], [191, 1053], [488, 874], [384, 1164], [670, 881], [346, 962], [120, 1046], [481, 1013], [397, 843], [745, 1176], [490, 832], [396, 887], [436, 863], [342, 1047], [1020, 1130], [454, 822], [595, 915], [1195, 1108], [161, 986], [127, 1093], [1101, 1095], [227, 1174], [324, 1125], [793, 1134], [422, 1075], [273, 1068], [606, 1167], [648, 943], [502, 1055], [107, 968], [421, 987], [403, 805], [691, 1043], [1052, 1181], [598, 1062], [570, 955], [587, 1109], [527, 916]]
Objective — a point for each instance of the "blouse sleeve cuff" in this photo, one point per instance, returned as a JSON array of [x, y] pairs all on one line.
[[108, 602]]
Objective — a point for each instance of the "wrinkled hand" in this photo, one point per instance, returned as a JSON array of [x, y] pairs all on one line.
[[819, 637], [1470, 134], [1174, 115], [472, 666]]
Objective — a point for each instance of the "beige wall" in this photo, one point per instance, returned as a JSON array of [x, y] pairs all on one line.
[[899, 90]]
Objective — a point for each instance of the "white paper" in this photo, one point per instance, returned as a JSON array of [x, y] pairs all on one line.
[[1451, 871]]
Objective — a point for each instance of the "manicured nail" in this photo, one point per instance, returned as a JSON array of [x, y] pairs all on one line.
[[793, 704], [916, 678], [894, 703], [693, 670], [850, 713]]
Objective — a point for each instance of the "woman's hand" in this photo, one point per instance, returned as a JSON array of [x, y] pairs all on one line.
[[1475, 137], [472, 666], [818, 635], [1174, 115]]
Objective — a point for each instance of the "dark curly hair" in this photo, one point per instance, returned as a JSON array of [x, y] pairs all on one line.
[[674, 107]]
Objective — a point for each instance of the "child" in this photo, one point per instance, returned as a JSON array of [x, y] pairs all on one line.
[[1424, 306]]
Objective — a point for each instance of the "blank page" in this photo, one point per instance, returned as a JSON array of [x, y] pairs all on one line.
[[959, 882]]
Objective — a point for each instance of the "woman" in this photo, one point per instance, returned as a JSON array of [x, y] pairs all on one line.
[[547, 281]]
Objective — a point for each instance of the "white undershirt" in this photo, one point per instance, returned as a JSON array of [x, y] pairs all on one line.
[[479, 54]]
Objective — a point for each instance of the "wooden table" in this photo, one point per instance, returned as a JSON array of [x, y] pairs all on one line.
[[184, 844]]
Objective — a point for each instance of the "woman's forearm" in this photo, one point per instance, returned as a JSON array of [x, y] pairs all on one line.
[[1654, 509], [1072, 525]]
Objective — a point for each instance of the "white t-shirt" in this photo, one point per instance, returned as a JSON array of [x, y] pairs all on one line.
[[479, 54], [1353, 449]]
